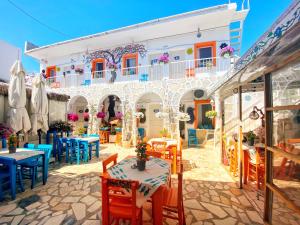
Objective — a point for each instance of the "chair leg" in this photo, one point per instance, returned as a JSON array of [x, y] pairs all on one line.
[[1, 191], [33, 174], [78, 156], [20, 180]]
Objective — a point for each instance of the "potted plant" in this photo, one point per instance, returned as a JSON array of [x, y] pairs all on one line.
[[141, 156], [226, 50], [164, 133], [164, 58], [5, 131], [80, 131], [12, 143], [211, 114], [251, 137]]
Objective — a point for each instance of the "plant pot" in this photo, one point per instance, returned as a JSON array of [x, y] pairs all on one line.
[[226, 55], [141, 164], [12, 149]]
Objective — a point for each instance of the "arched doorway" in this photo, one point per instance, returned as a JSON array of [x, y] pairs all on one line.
[[110, 116], [79, 105], [149, 104], [196, 104]]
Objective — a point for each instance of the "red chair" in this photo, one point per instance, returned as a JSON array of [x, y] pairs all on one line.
[[154, 154], [121, 204], [173, 201], [111, 159]]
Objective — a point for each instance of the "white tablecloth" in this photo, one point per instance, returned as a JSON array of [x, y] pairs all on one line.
[[156, 174], [168, 140], [88, 139]]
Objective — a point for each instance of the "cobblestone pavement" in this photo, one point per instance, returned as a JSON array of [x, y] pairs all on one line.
[[72, 194]]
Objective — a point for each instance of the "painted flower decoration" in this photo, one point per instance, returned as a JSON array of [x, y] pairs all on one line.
[[139, 115], [164, 58], [183, 116], [119, 115], [278, 32], [100, 115]]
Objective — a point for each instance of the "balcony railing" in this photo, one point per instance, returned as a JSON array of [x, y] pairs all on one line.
[[188, 69]]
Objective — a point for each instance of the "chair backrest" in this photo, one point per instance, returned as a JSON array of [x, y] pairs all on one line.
[[29, 145], [172, 149], [191, 132], [111, 159], [121, 199], [159, 146], [46, 148], [154, 154]]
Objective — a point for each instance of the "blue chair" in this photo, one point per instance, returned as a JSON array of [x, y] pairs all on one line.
[[93, 144], [64, 144], [30, 146], [8, 165], [192, 137], [141, 132], [143, 77], [79, 150], [86, 82]]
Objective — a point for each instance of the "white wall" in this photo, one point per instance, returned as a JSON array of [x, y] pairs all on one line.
[[8, 55], [174, 45]]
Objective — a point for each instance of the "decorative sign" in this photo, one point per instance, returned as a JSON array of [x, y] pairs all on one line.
[[199, 93]]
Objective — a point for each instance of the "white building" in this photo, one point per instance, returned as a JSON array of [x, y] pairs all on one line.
[[125, 63], [8, 55]]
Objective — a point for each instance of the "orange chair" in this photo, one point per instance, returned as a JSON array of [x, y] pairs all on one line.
[[118, 138], [104, 136], [120, 205], [111, 159], [160, 146], [154, 154], [256, 168], [173, 201]]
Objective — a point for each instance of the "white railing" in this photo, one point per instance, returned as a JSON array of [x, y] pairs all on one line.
[[188, 69]]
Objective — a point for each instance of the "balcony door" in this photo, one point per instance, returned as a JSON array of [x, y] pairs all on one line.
[[205, 53], [201, 121]]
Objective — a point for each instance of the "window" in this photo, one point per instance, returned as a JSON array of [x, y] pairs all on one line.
[[205, 54], [130, 63], [51, 73], [98, 68]]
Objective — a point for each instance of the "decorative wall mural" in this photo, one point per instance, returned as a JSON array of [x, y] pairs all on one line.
[[114, 56], [190, 111]]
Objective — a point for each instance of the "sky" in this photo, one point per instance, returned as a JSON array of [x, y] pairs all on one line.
[[71, 19]]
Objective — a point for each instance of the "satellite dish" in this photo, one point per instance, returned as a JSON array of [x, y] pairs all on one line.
[[198, 93]]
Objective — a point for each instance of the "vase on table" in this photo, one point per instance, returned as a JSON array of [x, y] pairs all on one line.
[[12, 149], [141, 164]]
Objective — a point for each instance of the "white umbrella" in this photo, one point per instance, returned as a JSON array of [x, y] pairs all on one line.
[[18, 118], [39, 106]]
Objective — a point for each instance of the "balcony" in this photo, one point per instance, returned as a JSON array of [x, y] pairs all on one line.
[[187, 69]]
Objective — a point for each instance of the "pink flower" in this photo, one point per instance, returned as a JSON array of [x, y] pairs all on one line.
[[119, 115], [5, 131], [164, 58], [73, 117], [100, 115]]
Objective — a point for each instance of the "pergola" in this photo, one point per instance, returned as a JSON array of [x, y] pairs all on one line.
[[271, 66]]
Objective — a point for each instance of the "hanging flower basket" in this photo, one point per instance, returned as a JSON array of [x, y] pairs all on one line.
[[183, 117], [226, 50], [101, 115], [139, 115], [211, 114], [164, 58], [73, 117], [119, 115]]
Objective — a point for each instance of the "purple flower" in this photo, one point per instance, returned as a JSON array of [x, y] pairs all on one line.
[[227, 50], [119, 115], [164, 58]]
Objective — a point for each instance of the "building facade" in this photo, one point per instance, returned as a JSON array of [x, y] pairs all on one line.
[[165, 65]]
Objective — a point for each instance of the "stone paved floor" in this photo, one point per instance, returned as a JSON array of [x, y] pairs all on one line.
[[72, 195]]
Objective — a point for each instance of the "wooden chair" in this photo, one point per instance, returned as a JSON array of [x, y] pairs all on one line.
[[111, 159], [173, 201], [104, 136], [160, 146], [118, 138], [154, 154], [120, 205], [256, 168], [233, 155]]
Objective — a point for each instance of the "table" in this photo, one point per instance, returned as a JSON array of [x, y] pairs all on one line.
[[21, 155], [84, 140], [168, 140], [152, 181]]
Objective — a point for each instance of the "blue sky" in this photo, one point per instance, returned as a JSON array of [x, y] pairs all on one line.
[[82, 17]]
